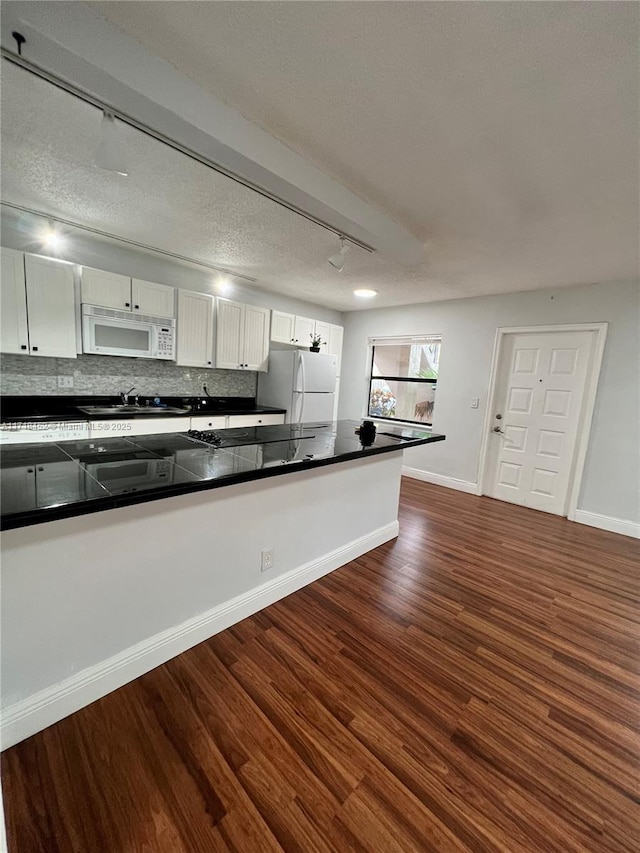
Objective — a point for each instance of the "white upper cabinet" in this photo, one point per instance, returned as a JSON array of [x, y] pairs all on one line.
[[256, 338], [324, 330], [51, 308], [335, 344], [229, 335], [242, 336], [194, 329], [283, 327], [13, 303], [107, 289], [150, 298], [304, 328], [290, 329], [111, 290]]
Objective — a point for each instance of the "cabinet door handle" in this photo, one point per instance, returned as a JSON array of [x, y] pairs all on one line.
[[136, 306], [29, 470], [208, 362], [35, 349], [24, 346], [127, 305], [40, 469]]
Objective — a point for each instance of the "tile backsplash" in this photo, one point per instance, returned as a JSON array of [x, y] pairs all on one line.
[[103, 374]]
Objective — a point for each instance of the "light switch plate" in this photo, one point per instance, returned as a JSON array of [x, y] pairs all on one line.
[[475, 402]]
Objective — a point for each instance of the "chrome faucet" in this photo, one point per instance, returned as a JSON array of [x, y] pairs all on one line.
[[124, 395]]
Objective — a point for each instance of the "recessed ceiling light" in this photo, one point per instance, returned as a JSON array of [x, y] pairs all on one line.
[[365, 293]]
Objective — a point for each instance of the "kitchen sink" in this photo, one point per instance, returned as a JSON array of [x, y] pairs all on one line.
[[133, 410]]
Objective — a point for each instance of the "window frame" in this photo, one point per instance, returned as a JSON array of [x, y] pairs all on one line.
[[398, 340]]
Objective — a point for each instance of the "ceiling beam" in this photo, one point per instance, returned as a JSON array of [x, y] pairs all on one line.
[[72, 42]]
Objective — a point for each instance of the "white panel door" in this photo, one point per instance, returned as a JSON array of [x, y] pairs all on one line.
[[282, 327], [335, 345], [229, 335], [194, 329], [539, 396], [150, 298], [256, 338], [51, 307], [303, 329], [108, 289], [13, 304]]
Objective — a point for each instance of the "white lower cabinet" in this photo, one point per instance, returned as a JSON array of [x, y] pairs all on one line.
[[35, 432], [254, 420], [209, 422], [20, 485], [130, 427]]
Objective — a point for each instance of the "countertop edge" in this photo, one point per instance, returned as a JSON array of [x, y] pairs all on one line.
[[87, 507]]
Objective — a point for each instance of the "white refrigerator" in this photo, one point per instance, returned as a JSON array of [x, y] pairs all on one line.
[[303, 383]]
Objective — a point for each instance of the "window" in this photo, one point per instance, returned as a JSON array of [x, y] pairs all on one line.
[[403, 379]]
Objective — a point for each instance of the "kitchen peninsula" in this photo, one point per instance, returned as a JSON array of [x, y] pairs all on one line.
[[120, 579]]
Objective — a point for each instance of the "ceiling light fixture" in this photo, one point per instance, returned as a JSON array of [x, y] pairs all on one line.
[[339, 258], [110, 154], [365, 293], [51, 238]]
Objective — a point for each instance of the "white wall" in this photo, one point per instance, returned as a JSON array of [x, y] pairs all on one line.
[[468, 328]]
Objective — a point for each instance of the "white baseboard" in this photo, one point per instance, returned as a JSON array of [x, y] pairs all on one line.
[[42, 709], [606, 522], [440, 480]]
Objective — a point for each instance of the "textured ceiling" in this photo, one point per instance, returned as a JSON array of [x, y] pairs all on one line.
[[504, 135]]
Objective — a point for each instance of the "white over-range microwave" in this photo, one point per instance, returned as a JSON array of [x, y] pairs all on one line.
[[109, 332]]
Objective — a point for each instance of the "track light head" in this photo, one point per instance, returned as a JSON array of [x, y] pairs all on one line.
[[110, 153], [337, 260]]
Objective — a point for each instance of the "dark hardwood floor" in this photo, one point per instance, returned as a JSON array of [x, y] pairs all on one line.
[[470, 686]]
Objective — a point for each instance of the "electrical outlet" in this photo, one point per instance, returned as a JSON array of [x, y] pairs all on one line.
[[267, 559], [65, 381]]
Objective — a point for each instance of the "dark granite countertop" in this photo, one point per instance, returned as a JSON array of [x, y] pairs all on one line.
[[70, 408], [45, 482]]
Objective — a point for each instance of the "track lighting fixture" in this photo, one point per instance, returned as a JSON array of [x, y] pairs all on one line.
[[339, 258], [110, 153]]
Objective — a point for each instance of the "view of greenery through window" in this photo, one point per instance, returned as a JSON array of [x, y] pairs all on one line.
[[403, 380]]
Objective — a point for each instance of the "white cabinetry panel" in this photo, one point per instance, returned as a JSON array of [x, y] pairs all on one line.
[[242, 340], [13, 304], [256, 337], [209, 422], [324, 330], [107, 289], [254, 420], [194, 329], [150, 298], [229, 340], [283, 327], [304, 328], [51, 307], [335, 344]]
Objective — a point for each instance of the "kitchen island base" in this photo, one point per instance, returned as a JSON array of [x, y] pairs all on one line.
[[94, 601]]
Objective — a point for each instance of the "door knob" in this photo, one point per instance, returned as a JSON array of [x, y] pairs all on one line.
[[498, 429], [498, 417]]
